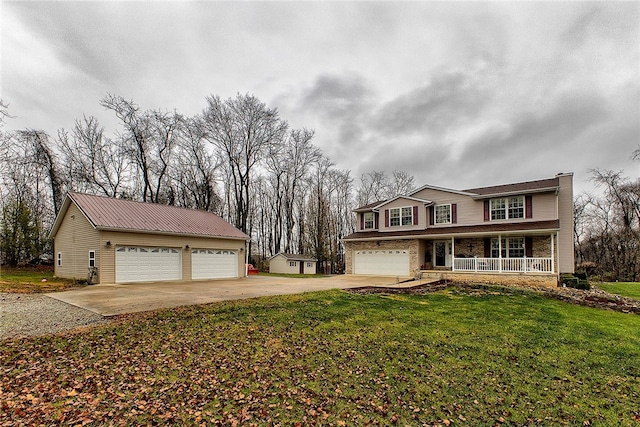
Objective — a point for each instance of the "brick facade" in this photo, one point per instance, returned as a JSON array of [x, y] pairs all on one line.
[[411, 245]]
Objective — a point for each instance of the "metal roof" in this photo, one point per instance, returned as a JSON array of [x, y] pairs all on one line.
[[108, 213]]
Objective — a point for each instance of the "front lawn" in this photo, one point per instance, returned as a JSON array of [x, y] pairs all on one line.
[[627, 289], [30, 280], [332, 358]]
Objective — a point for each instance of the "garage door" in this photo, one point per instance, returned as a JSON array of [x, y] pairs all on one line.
[[382, 262], [147, 264], [214, 264]]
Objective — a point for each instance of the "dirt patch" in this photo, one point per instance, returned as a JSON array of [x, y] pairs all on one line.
[[594, 297]]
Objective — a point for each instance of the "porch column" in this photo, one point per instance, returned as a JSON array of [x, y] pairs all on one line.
[[553, 268], [499, 253], [453, 254]]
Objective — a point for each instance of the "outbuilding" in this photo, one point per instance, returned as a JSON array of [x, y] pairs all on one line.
[[124, 241], [292, 264]]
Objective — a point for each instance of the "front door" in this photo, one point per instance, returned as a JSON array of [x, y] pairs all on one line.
[[442, 251]]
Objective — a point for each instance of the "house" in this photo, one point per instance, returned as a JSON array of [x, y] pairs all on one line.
[[124, 241], [521, 232], [292, 264]]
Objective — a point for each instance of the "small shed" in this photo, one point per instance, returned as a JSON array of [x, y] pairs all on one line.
[[123, 241], [292, 264]]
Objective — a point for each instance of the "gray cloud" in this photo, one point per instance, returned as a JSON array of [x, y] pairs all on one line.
[[448, 101]]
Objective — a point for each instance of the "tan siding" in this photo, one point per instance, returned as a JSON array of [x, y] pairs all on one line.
[[471, 212], [565, 215], [404, 203], [118, 238], [280, 264], [75, 238]]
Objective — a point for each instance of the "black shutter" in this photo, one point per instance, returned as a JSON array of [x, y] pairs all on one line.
[[454, 213], [362, 221], [487, 248], [486, 210], [431, 215], [415, 215], [386, 217], [528, 206]]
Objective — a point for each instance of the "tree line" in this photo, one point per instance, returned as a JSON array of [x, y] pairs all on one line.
[[237, 158], [607, 226]]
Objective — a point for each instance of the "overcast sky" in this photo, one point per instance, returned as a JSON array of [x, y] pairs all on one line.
[[460, 94]]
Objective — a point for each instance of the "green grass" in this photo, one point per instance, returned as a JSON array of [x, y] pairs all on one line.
[[333, 358], [627, 289], [29, 280]]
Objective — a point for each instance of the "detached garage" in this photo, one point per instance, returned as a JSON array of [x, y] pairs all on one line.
[[122, 241]]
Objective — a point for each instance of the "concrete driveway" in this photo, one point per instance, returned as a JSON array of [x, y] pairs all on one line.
[[110, 300]]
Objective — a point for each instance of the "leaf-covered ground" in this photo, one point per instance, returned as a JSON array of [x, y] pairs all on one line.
[[333, 358], [33, 279]]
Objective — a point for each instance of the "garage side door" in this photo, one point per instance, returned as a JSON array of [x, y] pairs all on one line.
[[147, 264], [214, 264], [382, 262]]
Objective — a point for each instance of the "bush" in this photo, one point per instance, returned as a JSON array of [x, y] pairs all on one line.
[[571, 281]]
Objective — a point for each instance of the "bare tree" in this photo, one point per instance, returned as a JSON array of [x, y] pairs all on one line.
[[611, 226], [149, 140], [242, 129], [377, 185], [93, 162]]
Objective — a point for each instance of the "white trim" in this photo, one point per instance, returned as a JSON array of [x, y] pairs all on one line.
[[92, 258], [447, 190], [414, 199], [514, 193], [435, 214]]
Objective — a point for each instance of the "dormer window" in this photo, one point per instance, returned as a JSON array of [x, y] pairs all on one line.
[[368, 220]]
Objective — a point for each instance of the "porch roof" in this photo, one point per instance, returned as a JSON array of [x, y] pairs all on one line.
[[461, 230]]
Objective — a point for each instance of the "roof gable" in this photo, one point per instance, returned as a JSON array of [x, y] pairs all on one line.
[[107, 213], [413, 199], [294, 257]]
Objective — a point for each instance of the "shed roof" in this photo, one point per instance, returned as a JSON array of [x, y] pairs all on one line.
[[108, 213], [295, 257]]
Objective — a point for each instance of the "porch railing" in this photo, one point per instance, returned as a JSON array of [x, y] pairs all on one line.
[[506, 265]]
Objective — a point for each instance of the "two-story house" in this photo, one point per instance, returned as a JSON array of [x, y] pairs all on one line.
[[520, 232]]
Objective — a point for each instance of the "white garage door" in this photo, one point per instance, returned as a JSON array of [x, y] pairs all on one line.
[[382, 262], [147, 264], [214, 264]]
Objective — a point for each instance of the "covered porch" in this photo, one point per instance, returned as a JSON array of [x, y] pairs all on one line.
[[494, 254]]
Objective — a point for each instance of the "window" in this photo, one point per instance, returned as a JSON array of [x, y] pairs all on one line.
[[59, 259], [512, 247], [516, 247], [407, 216], [292, 263], [92, 258], [498, 209], [368, 220], [309, 265], [516, 207], [394, 217], [443, 214], [507, 208], [401, 216]]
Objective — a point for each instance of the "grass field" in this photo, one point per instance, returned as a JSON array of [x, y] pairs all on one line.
[[627, 289], [29, 280], [333, 358]]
